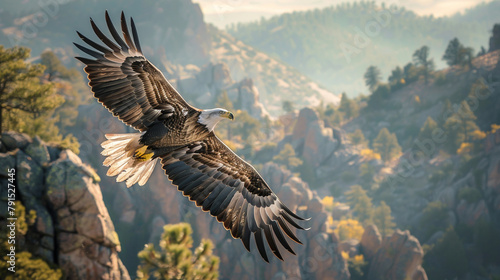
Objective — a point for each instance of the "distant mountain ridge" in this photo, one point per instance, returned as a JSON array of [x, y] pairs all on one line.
[[173, 31], [335, 45]]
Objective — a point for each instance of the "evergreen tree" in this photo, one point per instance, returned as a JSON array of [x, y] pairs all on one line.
[[360, 203], [453, 53], [447, 258], [27, 265], [267, 123], [247, 126], [224, 102], [383, 220], [348, 107], [372, 77], [410, 73], [69, 84], [175, 260], [426, 130], [287, 157], [397, 78], [386, 144], [27, 102], [378, 98], [457, 54], [288, 106], [54, 68], [358, 138], [421, 58], [460, 126]]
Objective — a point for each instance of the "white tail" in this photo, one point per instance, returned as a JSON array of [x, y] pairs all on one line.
[[121, 156]]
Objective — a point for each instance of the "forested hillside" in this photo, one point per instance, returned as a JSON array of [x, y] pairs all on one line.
[[335, 44]]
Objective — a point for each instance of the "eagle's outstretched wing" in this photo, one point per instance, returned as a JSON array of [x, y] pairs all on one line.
[[125, 82], [220, 182]]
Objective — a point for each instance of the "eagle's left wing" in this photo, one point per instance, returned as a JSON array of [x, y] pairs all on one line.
[[125, 82], [219, 181]]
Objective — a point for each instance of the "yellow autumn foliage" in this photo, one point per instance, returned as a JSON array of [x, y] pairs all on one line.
[[369, 154], [465, 148], [494, 128], [478, 134], [328, 203], [349, 229]]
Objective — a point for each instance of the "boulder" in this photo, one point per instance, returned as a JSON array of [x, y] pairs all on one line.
[[38, 151], [72, 222], [13, 140], [470, 213], [399, 257], [370, 241], [350, 246]]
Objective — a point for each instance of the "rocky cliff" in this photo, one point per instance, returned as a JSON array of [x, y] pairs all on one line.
[[73, 229], [203, 86]]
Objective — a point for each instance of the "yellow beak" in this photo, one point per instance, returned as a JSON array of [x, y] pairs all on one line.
[[228, 115]]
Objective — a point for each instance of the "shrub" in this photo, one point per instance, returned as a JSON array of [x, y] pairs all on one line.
[[446, 259], [471, 195], [349, 229], [175, 260]]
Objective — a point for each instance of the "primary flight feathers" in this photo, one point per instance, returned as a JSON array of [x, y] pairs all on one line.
[[181, 138]]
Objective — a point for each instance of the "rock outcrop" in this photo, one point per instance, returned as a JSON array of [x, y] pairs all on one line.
[[204, 86], [370, 241], [73, 228], [399, 257]]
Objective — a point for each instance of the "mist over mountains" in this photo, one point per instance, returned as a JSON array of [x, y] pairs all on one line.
[[335, 44]]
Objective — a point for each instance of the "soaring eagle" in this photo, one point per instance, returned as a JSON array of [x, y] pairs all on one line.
[[181, 137]]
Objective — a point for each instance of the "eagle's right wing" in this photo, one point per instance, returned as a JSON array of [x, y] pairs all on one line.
[[220, 182], [125, 82]]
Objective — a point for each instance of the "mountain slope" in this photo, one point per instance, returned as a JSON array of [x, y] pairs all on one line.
[[275, 80], [334, 45]]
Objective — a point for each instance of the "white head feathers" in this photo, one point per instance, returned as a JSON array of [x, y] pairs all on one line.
[[211, 117]]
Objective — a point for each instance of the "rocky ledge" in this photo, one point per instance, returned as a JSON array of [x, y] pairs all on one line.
[[72, 228]]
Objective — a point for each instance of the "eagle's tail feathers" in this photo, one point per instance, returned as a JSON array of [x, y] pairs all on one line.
[[127, 158]]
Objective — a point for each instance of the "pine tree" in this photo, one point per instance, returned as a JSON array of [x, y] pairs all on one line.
[[457, 54], [379, 97], [386, 144], [348, 107], [410, 73], [421, 58], [397, 77], [27, 101], [358, 138], [453, 55], [360, 203], [287, 157], [288, 106], [383, 220], [426, 130], [175, 260], [224, 102], [247, 126], [460, 126], [372, 77], [447, 259]]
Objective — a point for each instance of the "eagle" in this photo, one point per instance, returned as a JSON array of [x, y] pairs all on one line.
[[180, 137]]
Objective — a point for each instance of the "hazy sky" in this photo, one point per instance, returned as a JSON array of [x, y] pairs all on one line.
[[222, 12]]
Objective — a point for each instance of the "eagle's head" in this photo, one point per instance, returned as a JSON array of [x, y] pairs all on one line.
[[211, 117]]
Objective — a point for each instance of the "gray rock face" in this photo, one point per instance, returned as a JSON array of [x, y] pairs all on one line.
[[370, 241], [399, 257], [204, 86], [70, 214]]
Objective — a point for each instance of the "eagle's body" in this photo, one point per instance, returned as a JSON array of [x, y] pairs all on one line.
[[181, 137]]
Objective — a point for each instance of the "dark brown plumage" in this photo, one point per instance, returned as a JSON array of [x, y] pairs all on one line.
[[202, 167]]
